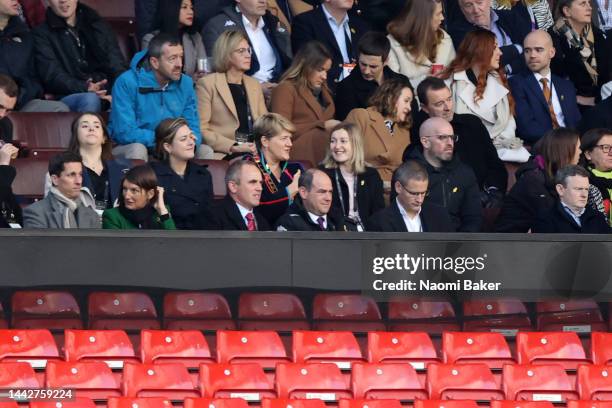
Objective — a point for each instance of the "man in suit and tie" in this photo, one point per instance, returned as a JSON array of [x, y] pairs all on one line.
[[544, 101], [332, 25], [410, 212], [238, 210]]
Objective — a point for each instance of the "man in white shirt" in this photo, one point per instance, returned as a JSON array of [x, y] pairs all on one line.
[[544, 101]]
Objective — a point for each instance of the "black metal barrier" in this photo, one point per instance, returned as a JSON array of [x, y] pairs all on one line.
[[527, 266]]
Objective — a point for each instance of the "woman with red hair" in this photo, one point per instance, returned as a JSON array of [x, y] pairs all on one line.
[[480, 88]]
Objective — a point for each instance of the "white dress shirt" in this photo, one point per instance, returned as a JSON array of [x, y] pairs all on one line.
[[554, 98], [244, 212], [315, 217], [341, 32], [262, 48], [413, 224]]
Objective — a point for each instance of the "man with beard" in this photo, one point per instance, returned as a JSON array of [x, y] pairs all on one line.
[[153, 89], [452, 184]]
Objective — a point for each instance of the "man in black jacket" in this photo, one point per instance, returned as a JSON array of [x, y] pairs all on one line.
[[571, 215], [10, 211], [77, 55], [452, 184], [8, 99], [599, 116], [410, 212], [238, 211], [474, 145], [311, 209]]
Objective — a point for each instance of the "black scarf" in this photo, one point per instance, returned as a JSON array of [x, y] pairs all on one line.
[[144, 218]]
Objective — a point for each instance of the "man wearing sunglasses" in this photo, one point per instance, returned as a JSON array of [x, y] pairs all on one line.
[[452, 184], [411, 210]]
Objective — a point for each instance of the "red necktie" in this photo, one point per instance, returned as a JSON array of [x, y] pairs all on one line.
[[251, 222]]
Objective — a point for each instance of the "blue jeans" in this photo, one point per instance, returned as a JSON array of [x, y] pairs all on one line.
[[83, 102]]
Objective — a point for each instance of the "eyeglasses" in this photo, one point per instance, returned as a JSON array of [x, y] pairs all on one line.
[[243, 51], [416, 193], [605, 148], [444, 138]]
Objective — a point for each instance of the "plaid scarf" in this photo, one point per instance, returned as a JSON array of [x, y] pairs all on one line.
[[584, 43]]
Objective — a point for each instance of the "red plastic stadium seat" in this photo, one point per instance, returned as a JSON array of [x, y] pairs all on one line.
[[595, 382], [9, 405], [262, 347], [537, 383], [462, 381], [197, 311], [245, 380], [445, 404], [386, 381], [93, 380], [111, 346], [506, 316], [416, 314], [369, 403], [216, 403], [35, 346], [18, 375], [562, 348], [271, 311], [189, 347], [396, 347], [43, 129], [340, 348], [346, 312], [601, 348], [292, 403], [126, 311], [169, 380], [521, 404], [130, 402], [45, 310], [314, 380], [29, 183], [589, 404], [79, 402], [476, 347], [217, 169], [573, 315]]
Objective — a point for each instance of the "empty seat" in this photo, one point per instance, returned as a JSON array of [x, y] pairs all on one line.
[[340, 348], [244, 380], [217, 169], [33, 346], [188, 347], [416, 314], [93, 380], [462, 381], [215, 403], [292, 403], [130, 402], [111, 346], [415, 348], [589, 404], [262, 347], [197, 311], [45, 310], [386, 381], [595, 382], [601, 348], [79, 402], [521, 404], [315, 380], [506, 316], [29, 183], [18, 375], [476, 347], [346, 312], [271, 311], [445, 404], [537, 383], [43, 129], [369, 403], [562, 348], [168, 380], [126, 311], [581, 316]]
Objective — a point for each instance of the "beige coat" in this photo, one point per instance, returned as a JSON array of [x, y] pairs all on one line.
[[403, 62], [218, 115], [382, 150], [301, 107]]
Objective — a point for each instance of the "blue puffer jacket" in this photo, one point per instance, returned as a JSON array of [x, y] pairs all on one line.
[[139, 104]]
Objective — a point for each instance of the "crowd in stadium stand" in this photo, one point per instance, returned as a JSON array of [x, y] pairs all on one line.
[[332, 115]]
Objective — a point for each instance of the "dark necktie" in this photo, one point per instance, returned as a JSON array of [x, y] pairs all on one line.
[[349, 46], [251, 222], [548, 97], [321, 222]]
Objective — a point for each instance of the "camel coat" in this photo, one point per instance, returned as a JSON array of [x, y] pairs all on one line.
[[383, 151], [301, 107], [218, 115]]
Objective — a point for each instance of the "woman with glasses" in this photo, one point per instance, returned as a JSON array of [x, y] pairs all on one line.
[[479, 87], [273, 139], [188, 186], [596, 146], [229, 101], [358, 188]]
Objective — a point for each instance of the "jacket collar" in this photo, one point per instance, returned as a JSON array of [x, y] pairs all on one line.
[[312, 102], [84, 16], [224, 90], [145, 76], [14, 27], [494, 92]]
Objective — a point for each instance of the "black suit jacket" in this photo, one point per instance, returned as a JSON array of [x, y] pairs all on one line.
[[557, 220], [226, 216], [433, 219], [598, 117], [313, 26], [8, 202]]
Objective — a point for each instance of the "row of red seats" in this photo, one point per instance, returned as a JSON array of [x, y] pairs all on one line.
[[323, 381], [283, 311]]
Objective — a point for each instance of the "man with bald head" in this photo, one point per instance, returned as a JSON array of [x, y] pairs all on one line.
[[544, 101]]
